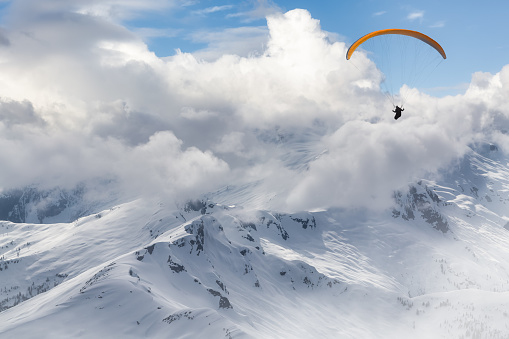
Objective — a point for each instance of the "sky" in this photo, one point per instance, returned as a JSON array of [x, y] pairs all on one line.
[[470, 32], [178, 98]]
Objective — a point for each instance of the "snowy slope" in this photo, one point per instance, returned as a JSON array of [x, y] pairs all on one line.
[[435, 265]]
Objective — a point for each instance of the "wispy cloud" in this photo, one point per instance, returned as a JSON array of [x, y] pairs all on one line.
[[243, 41], [213, 9], [438, 24], [415, 15], [458, 88], [379, 13], [260, 9], [148, 32], [118, 9]]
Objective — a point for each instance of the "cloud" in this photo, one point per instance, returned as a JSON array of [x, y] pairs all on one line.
[[213, 9], [230, 143], [18, 113], [438, 24], [3, 40], [192, 114], [366, 162], [83, 98], [243, 41], [260, 9], [379, 13], [415, 15], [111, 10], [124, 10], [148, 33]]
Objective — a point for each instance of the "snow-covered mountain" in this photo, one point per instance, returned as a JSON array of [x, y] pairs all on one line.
[[34, 204], [433, 266]]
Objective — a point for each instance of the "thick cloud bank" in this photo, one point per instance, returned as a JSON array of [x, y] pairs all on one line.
[[81, 97]]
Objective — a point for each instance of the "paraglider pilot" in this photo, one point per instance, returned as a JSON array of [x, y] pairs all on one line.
[[398, 111]]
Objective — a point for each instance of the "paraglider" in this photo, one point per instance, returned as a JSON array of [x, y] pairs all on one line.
[[400, 52], [398, 111]]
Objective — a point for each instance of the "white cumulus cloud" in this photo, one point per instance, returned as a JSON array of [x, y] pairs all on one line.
[[82, 97]]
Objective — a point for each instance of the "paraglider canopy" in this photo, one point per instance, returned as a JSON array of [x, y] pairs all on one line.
[[407, 32]]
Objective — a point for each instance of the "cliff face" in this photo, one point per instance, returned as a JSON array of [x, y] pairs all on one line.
[[34, 205]]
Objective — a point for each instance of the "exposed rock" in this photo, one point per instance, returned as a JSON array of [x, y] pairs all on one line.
[[421, 200]]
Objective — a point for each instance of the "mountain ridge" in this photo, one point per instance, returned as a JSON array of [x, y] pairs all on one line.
[[143, 268]]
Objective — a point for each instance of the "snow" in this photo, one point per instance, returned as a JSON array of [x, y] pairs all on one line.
[[210, 268]]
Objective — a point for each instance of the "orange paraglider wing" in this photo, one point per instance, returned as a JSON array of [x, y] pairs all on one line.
[[414, 34]]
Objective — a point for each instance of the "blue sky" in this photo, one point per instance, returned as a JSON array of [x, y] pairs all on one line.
[[472, 32]]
